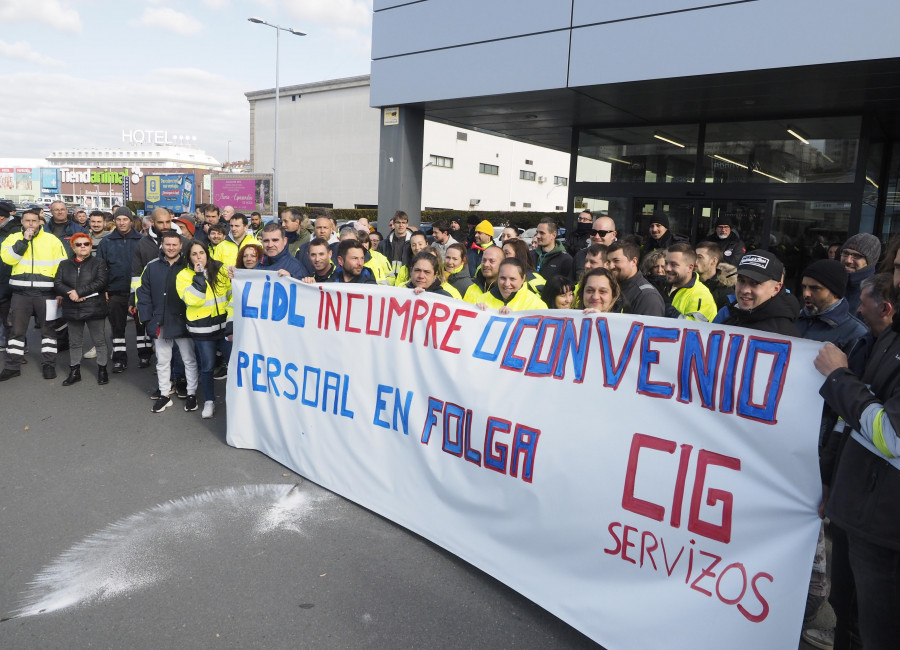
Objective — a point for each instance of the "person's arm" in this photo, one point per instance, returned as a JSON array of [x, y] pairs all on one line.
[[877, 421]]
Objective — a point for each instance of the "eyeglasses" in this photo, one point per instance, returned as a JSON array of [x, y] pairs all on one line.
[[83, 243], [601, 233], [852, 255]]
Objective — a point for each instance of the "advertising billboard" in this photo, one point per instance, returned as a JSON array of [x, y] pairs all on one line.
[[171, 191], [243, 192]]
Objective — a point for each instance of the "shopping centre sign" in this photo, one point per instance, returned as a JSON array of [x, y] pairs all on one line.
[[105, 176]]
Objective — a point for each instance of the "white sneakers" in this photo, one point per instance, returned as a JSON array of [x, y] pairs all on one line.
[[209, 409], [90, 354]]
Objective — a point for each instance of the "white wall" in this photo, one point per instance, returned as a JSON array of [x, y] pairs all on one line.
[[329, 147]]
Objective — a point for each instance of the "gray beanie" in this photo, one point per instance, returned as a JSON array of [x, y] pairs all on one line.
[[866, 244]]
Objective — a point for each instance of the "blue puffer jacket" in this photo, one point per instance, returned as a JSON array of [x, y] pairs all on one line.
[[117, 250], [159, 307]]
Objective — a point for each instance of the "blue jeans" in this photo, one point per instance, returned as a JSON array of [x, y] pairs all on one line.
[[206, 359]]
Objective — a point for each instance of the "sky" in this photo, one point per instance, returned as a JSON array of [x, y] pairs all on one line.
[[76, 73]]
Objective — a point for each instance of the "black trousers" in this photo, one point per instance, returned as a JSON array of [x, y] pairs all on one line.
[[21, 309], [118, 319]]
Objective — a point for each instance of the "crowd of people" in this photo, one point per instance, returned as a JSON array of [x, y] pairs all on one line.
[[171, 274]]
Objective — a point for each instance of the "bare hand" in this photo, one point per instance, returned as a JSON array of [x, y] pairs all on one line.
[[29, 233], [829, 359], [591, 310], [59, 301], [307, 280], [418, 290], [481, 306], [73, 295], [231, 272], [825, 491], [505, 310], [198, 268], [284, 273], [132, 310]]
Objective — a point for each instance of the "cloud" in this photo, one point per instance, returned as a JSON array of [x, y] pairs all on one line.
[[21, 51], [55, 13], [168, 18], [178, 100], [333, 13], [216, 4]]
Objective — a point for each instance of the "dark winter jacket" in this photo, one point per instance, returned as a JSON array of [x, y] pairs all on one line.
[[436, 287], [853, 289], [117, 251], [733, 248], [147, 250], [721, 285], [554, 262], [863, 497], [302, 256], [474, 255], [366, 277], [89, 279], [662, 243], [641, 297], [460, 280], [776, 315], [160, 308], [64, 232], [285, 261], [836, 324]]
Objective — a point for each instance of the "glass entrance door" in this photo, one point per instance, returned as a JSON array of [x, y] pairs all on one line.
[[696, 218]]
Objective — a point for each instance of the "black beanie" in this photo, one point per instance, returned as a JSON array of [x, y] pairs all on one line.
[[831, 274], [661, 218]]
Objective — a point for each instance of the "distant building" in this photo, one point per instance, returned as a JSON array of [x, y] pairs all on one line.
[[328, 150]]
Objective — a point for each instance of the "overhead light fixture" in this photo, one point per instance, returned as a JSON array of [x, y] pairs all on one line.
[[874, 184], [618, 160], [728, 160], [797, 133], [774, 178], [665, 138]]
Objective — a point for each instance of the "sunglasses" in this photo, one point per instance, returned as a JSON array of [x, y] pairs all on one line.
[[82, 243], [601, 233]]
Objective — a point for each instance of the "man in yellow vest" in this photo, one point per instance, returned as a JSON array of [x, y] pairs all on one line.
[[689, 297], [34, 255]]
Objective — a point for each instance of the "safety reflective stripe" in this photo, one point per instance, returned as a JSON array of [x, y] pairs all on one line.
[[43, 284], [878, 434], [215, 301], [12, 253], [195, 292], [205, 330], [48, 264]]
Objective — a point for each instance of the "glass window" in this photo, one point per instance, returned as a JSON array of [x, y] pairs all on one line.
[[801, 232], [892, 200], [529, 162], [820, 150], [442, 161], [526, 175], [484, 168], [560, 180], [462, 135], [666, 154], [526, 205], [614, 207]]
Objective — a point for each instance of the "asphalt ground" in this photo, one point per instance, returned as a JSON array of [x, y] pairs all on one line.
[[125, 528], [85, 472]]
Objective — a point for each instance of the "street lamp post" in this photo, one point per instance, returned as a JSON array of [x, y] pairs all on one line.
[[278, 29]]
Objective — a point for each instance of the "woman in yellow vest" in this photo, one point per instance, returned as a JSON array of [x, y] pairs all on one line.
[[510, 293], [417, 243], [519, 249], [205, 288]]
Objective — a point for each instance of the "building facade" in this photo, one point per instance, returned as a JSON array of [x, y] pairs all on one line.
[[329, 156], [784, 115], [97, 177]]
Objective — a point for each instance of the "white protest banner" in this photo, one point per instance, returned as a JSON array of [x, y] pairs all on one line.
[[652, 482]]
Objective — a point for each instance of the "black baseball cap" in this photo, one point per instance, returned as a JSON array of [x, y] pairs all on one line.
[[761, 266]]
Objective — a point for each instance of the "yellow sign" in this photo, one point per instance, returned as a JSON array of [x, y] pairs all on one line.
[[151, 189], [391, 116]]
